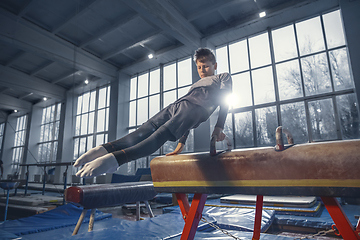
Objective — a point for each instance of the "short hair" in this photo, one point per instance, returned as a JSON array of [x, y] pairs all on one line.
[[204, 54]]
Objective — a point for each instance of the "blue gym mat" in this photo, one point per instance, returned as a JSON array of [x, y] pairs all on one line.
[[323, 221], [62, 216], [163, 226], [60, 223]]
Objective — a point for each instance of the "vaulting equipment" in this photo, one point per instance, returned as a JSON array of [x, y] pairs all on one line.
[[109, 195], [328, 170]]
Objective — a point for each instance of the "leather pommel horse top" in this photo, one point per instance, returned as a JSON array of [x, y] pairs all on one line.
[[312, 169]]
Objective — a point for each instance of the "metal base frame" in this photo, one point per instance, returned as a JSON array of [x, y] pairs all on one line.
[[192, 215]]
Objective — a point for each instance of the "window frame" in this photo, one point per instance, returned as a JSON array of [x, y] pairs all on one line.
[[333, 94]]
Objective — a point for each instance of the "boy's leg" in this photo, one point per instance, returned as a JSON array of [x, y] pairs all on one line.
[[145, 147], [131, 139], [111, 161], [143, 132]]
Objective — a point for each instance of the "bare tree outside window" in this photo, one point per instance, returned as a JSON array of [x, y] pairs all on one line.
[[322, 119], [349, 116], [289, 80], [244, 136], [316, 74], [294, 119], [340, 70], [314, 90], [266, 124]]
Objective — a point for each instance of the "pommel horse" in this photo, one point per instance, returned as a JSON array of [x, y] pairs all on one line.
[[327, 170], [109, 195]]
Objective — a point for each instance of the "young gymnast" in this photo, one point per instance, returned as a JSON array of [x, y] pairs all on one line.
[[172, 123]]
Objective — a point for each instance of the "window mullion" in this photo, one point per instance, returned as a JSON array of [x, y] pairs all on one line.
[[97, 97], [273, 65]]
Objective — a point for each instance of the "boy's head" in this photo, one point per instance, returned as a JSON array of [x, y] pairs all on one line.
[[205, 62]]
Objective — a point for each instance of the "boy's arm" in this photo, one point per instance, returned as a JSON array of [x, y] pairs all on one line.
[[218, 130], [184, 137], [225, 89], [180, 145]]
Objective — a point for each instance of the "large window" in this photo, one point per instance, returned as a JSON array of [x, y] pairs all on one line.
[[144, 103], [19, 143], [92, 120], [49, 132], [297, 76], [150, 92]]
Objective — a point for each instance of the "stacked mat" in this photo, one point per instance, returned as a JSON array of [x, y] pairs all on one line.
[[282, 205], [296, 213]]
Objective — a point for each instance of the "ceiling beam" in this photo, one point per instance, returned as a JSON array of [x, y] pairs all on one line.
[[61, 78], [131, 44], [16, 57], [11, 103], [21, 34], [271, 13], [42, 67], [166, 17], [26, 95], [25, 8], [212, 8], [74, 15], [108, 30], [18, 80], [178, 50], [4, 89]]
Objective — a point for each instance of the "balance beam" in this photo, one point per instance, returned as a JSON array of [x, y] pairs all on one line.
[[328, 170], [109, 195]]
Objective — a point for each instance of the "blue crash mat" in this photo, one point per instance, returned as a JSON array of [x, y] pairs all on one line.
[[323, 221], [63, 216], [6, 235], [232, 218], [160, 227]]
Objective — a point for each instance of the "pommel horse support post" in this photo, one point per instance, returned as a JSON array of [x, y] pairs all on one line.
[[327, 170], [109, 195]]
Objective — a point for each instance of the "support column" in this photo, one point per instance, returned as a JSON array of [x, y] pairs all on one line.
[[351, 18]]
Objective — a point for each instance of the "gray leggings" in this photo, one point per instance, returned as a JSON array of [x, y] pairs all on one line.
[[140, 143]]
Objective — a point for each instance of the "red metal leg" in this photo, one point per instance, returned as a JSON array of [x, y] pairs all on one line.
[[191, 214], [341, 221], [258, 215]]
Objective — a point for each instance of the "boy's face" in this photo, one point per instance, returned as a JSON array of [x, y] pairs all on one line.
[[205, 68]]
